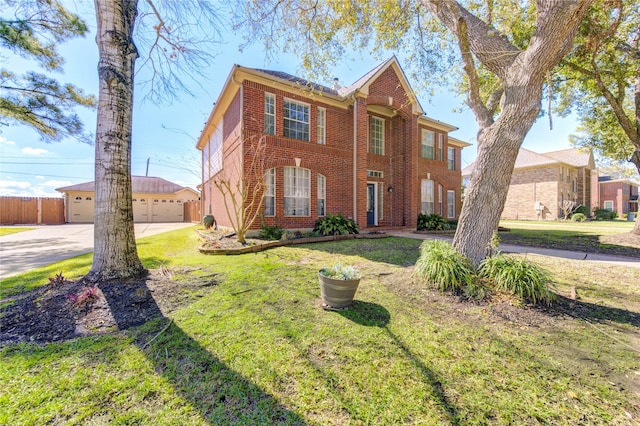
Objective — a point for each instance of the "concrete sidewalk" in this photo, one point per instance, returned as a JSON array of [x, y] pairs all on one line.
[[564, 254], [24, 251]]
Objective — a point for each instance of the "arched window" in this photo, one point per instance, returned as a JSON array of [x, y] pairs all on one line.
[[296, 191]]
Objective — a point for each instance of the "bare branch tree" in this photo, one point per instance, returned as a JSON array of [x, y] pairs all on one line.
[[242, 187]]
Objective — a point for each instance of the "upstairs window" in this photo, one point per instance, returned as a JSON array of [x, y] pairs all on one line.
[[451, 158], [322, 126], [428, 141], [296, 191], [322, 195], [269, 114], [270, 192], [296, 120], [427, 202], [377, 136]]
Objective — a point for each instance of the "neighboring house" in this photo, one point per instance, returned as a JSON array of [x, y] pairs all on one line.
[[541, 183], [154, 200], [617, 195], [366, 150]]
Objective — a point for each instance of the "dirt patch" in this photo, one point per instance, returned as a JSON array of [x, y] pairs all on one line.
[[67, 310]]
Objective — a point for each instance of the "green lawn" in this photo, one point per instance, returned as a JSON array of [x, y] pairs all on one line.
[[591, 237], [12, 230], [258, 349]]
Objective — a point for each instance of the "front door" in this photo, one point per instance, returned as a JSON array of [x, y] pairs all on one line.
[[371, 204]]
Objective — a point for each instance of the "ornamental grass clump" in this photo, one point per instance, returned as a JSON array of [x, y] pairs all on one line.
[[442, 267], [339, 272], [520, 277]]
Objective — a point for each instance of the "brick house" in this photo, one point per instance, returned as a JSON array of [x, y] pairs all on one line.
[[366, 150], [540, 183], [617, 195]]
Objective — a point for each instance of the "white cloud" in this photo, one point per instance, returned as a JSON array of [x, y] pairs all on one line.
[[34, 151], [4, 141], [8, 184], [39, 177], [56, 183]]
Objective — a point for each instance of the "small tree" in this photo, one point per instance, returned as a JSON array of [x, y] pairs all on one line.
[[567, 207], [242, 187]]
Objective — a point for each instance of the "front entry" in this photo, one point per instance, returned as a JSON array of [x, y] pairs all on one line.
[[371, 204]]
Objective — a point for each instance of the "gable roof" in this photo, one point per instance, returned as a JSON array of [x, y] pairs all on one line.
[[611, 179], [574, 157], [297, 81], [139, 184], [527, 158], [341, 96]]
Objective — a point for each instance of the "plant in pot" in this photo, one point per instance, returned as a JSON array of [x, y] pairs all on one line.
[[338, 285]]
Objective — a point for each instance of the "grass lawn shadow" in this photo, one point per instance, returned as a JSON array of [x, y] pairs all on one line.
[[221, 395], [374, 315], [592, 312], [366, 313]]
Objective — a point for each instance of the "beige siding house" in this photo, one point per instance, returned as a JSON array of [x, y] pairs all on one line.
[[154, 200], [541, 183]]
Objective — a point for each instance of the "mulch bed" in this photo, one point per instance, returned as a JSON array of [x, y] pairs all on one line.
[[63, 311]]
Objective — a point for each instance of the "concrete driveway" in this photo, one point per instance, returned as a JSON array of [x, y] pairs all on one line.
[[44, 245]]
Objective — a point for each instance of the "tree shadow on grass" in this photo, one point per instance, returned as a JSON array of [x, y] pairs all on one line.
[[374, 315], [221, 395], [591, 311]]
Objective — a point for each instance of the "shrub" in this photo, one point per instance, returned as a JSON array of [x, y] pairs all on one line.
[[270, 233], [58, 279], [582, 209], [604, 214], [208, 221], [335, 225], [442, 267], [578, 217], [86, 296], [476, 290], [432, 222], [520, 277]]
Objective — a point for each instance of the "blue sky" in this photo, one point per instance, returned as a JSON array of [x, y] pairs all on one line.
[[165, 135]]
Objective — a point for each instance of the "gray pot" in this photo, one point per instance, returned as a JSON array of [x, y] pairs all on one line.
[[337, 293]]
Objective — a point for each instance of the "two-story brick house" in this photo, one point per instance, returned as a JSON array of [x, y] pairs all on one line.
[[617, 195], [541, 183], [366, 150]]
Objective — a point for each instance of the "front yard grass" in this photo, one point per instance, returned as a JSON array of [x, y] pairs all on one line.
[[589, 237], [12, 230], [259, 349]]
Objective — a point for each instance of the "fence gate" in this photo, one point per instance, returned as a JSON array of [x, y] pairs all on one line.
[[31, 211]]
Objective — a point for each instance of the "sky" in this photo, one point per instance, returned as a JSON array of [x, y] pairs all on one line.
[[164, 136]]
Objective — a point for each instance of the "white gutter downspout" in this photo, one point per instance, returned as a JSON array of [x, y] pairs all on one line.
[[355, 157]]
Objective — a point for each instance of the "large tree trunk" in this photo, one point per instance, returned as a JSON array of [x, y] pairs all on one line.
[[521, 74], [635, 158], [498, 147], [115, 254]]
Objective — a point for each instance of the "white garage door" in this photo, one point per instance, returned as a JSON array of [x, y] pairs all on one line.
[[81, 209], [141, 210], [164, 210]]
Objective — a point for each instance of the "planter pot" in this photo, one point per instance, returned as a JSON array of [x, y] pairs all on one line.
[[337, 293]]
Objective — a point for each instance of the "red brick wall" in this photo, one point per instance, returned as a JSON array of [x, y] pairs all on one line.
[[401, 166]]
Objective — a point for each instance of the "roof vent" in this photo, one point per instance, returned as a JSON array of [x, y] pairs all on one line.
[[336, 84]]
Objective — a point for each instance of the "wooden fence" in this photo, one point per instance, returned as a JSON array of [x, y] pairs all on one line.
[[50, 211], [31, 211], [192, 211]]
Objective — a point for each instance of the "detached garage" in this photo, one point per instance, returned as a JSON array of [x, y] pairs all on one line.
[[154, 200]]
